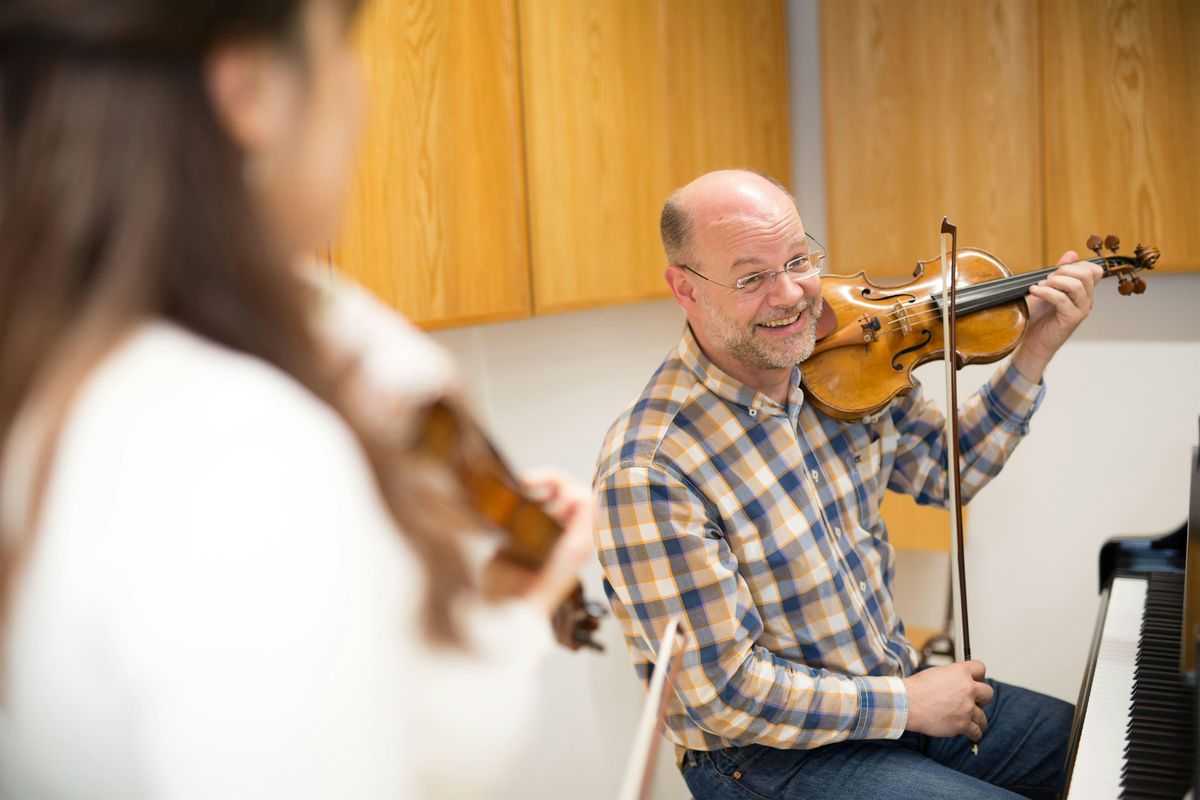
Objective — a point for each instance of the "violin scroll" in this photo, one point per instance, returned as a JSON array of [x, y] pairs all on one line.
[[576, 620], [1124, 267]]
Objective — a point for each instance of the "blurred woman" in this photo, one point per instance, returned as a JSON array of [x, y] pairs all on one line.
[[220, 574]]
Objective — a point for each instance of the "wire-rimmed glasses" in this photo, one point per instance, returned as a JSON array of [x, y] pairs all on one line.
[[758, 284]]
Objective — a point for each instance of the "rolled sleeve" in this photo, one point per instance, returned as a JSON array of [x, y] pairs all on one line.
[[1011, 399]]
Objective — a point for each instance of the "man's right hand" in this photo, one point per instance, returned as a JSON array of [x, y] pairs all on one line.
[[949, 700]]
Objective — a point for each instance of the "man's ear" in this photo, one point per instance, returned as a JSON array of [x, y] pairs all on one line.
[[249, 91], [682, 287]]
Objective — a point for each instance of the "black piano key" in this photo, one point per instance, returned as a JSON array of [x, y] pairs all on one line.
[[1160, 735]]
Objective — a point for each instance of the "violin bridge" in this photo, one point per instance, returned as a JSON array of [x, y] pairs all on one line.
[[901, 316]]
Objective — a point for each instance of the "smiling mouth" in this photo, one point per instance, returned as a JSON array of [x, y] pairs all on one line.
[[783, 322]]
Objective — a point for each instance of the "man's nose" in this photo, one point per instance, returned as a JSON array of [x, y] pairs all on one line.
[[788, 291]]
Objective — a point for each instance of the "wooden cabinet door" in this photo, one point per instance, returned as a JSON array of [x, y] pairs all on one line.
[[624, 101], [931, 108], [595, 90], [436, 223], [1122, 125], [728, 88]]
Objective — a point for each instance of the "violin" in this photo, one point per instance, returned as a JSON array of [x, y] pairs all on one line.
[[871, 337], [447, 436]]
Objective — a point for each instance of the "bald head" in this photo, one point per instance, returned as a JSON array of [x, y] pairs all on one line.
[[713, 198]]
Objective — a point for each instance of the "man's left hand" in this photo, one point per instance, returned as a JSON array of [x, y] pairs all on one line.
[[1056, 307]]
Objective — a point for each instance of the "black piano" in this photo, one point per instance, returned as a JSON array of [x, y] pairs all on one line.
[[1134, 734]]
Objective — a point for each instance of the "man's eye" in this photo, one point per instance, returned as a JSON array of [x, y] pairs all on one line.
[[751, 281], [798, 263]]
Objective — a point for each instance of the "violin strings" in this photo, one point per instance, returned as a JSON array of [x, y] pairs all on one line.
[[969, 297], [924, 316]]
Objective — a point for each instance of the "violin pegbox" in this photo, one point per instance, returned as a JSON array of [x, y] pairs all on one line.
[[1124, 267]]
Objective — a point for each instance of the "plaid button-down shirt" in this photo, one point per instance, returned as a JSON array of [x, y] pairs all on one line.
[[761, 524]]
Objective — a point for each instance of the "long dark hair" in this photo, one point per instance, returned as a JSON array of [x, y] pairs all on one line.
[[123, 199]]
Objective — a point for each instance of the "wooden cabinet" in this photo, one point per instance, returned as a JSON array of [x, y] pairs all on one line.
[[1122, 125], [728, 88], [436, 223], [598, 150], [1031, 123], [624, 101], [931, 108], [519, 151]]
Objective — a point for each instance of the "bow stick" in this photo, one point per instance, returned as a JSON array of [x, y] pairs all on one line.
[[958, 572], [639, 773]]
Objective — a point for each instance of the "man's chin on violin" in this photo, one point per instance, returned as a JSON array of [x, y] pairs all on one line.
[[725, 497]]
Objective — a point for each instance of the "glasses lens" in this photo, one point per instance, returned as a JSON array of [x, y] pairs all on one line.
[[804, 267]]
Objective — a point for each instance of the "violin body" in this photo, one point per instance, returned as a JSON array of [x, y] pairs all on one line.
[[871, 337], [450, 441]]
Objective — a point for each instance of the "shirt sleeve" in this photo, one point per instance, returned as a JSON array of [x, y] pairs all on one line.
[[991, 425], [481, 700], [662, 554]]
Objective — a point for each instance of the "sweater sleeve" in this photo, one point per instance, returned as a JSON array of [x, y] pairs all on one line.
[[264, 604]]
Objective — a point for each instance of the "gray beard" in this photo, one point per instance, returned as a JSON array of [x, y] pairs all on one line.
[[748, 349]]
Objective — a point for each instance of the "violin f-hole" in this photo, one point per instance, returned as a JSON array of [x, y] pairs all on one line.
[[896, 358]]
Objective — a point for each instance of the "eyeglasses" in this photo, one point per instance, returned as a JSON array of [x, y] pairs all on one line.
[[758, 284]]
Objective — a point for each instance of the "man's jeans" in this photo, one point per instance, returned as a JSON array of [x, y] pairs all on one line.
[[1023, 753]]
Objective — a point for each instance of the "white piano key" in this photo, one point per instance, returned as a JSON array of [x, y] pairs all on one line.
[[1100, 755]]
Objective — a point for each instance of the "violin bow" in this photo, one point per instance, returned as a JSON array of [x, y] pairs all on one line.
[[639, 772], [958, 572]]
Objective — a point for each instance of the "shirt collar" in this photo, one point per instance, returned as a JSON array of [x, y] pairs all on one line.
[[729, 388]]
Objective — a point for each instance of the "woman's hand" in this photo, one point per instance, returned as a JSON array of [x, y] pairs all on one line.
[[571, 506]]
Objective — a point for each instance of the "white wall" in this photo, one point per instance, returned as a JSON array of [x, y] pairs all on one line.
[[1107, 455], [548, 389]]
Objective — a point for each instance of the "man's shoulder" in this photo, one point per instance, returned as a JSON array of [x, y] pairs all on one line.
[[650, 424]]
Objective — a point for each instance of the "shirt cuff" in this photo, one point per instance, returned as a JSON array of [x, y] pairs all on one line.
[[882, 708], [1011, 398]]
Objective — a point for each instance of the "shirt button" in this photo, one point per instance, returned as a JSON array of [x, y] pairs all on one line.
[[837, 531], [863, 585], [754, 412], [816, 476]]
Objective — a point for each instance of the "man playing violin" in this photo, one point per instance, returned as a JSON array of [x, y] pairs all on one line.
[[725, 497]]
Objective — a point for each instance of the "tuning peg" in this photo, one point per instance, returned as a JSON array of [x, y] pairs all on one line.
[[1125, 284], [1112, 243], [1093, 243], [1139, 286]]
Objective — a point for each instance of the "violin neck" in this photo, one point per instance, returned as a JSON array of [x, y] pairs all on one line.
[[1003, 290]]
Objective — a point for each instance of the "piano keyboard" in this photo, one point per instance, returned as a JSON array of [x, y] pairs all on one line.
[[1101, 754], [1138, 729], [1163, 729]]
